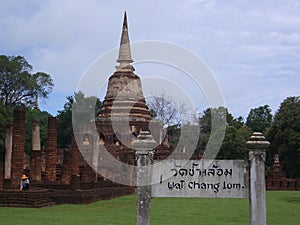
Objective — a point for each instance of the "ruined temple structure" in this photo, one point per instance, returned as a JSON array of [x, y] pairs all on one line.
[[70, 175], [123, 115], [276, 179], [124, 112], [81, 173]]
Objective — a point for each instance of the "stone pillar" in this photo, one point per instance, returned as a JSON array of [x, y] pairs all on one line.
[[18, 154], [51, 151], [257, 145], [36, 137], [8, 150], [144, 156], [35, 157]]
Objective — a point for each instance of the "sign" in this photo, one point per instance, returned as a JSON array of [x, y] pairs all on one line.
[[201, 178]]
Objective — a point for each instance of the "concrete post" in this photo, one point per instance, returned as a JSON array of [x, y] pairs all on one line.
[[257, 145], [144, 157]]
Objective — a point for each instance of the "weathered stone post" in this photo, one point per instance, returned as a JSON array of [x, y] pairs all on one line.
[[50, 176], [66, 169], [35, 157], [18, 154], [257, 145], [144, 156]]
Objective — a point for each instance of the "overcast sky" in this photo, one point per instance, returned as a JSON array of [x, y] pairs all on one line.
[[251, 47]]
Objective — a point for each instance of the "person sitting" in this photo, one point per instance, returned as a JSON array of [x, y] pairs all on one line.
[[24, 184]]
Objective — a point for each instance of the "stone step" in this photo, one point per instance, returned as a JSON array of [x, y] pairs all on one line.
[[36, 198], [25, 199]]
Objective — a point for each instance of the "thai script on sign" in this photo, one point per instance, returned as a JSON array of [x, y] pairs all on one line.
[[196, 171], [204, 178]]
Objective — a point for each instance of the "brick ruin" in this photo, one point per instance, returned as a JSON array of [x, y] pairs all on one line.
[[276, 179], [66, 175], [66, 172]]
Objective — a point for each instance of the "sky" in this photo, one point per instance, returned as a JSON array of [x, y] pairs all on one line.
[[251, 47]]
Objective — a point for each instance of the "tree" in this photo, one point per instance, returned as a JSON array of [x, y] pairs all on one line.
[[219, 113], [168, 111], [64, 124], [259, 119], [18, 86], [42, 118], [173, 133], [5, 118], [284, 136], [86, 109], [205, 122], [234, 143], [236, 134]]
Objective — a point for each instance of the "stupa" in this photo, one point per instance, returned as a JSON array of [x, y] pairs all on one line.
[[123, 115]]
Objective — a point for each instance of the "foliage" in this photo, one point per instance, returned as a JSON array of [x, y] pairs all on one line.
[[234, 143], [219, 113], [18, 85], [64, 124], [282, 208], [42, 118], [86, 109], [173, 133], [284, 136], [232, 146], [169, 111], [260, 118], [6, 113], [30, 114]]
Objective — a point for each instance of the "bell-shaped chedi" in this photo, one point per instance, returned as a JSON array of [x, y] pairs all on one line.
[[124, 96]]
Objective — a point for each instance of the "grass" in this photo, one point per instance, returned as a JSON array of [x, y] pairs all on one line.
[[283, 207]]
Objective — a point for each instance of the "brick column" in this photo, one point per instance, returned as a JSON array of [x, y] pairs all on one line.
[[51, 150], [75, 154], [35, 157], [88, 174], [66, 170], [18, 154]]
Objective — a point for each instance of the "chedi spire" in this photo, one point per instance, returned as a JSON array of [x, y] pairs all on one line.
[[124, 51]]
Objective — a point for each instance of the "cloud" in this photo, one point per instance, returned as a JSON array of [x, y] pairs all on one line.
[[245, 43]]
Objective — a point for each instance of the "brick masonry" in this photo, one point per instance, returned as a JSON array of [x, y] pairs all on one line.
[[50, 176], [18, 154]]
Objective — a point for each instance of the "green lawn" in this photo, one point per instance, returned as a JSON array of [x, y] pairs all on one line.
[[283, 208]]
